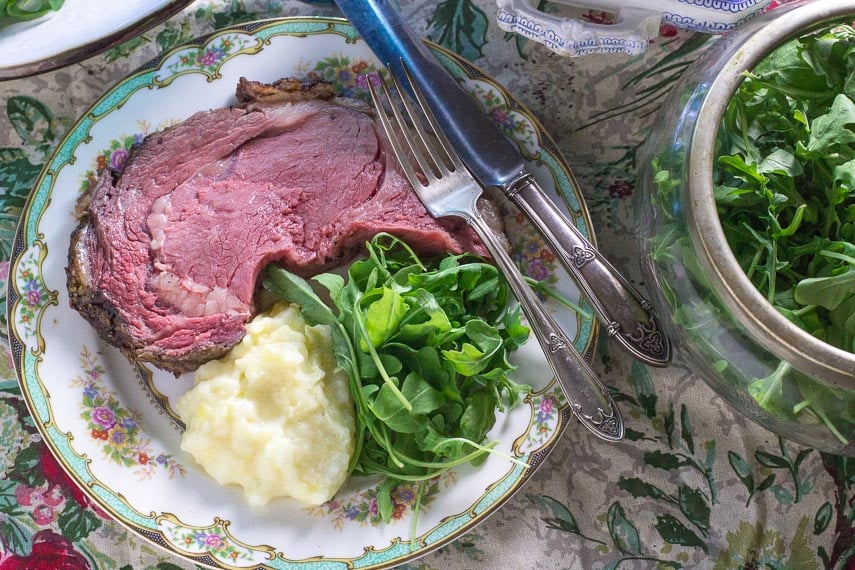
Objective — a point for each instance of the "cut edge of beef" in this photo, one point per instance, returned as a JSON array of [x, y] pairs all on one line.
[[103, 316]]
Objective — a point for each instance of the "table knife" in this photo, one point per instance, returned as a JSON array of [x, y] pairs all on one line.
[[496, 163]]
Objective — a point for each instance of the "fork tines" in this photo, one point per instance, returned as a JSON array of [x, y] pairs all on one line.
[[407, 132]]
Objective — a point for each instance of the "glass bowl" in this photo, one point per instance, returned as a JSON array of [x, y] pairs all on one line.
[[766, 367]]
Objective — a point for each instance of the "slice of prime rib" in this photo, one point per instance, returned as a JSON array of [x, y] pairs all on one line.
[[165, 259]]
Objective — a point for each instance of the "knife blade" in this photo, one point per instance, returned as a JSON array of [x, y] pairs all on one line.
[[495, 163]]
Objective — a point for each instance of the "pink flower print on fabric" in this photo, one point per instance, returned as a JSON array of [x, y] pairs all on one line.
[[43, 502]]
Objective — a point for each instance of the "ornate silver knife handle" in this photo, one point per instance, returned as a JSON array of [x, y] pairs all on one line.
[[590, 401], [627, 316]]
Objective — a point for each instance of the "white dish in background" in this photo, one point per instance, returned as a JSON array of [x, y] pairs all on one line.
[[126, 456], [636, 22], [80, 29]]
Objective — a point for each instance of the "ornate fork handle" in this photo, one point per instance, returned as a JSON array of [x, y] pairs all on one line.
[[628, 316], [590, 400]]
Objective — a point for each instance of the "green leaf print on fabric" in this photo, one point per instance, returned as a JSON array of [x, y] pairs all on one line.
[[842, 471], [691, 502], [173, 34], [645, 391], [470, 545], [37, 128], [639, 489], [562, 519], [669, 424], [673, 531], [663, 460], [13, 437], [14, 536], [123, 50], [823, 518], [744, 473], [8, 501], [686, 429], [801, 484], [26, 467], [8, 384], [657, 79], [624, 533], [460, 26], [684, 451], [76, 523], [236, 12], [32, 120]]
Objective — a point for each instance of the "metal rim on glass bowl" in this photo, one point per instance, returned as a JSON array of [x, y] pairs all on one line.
[[831, 365]]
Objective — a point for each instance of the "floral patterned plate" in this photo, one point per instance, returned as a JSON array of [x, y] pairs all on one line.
[[109, 422], [80, 29]]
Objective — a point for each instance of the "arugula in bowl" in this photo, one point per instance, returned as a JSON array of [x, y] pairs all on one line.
[[785, 192]]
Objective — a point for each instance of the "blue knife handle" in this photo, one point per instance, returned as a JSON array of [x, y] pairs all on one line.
[[482, 147]]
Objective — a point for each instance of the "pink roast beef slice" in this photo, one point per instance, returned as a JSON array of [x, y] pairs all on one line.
[[165, 260]]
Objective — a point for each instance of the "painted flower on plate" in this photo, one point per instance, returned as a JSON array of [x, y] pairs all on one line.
[[104, 416], [118, 159], [118, 437], [211, 57], [362, 506], [118, 427], [537, 270]]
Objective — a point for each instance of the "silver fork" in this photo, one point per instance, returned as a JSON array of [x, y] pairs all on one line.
[[447, 189]]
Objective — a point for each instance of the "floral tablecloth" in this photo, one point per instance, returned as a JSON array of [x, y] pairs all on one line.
[[692, 486]]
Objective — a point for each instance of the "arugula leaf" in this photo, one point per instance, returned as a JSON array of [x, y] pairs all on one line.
[[383, 316], [829, 130], [473, 358], [387, 408], [478, 416], [426, 323], [781, 161], [294, 288], [424, 397], [828, 292]]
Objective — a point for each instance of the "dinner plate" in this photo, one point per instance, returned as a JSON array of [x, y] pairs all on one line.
[[80, 29], [110, 423]]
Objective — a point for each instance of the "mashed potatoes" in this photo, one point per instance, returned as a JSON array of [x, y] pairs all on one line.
[[274, 415]]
